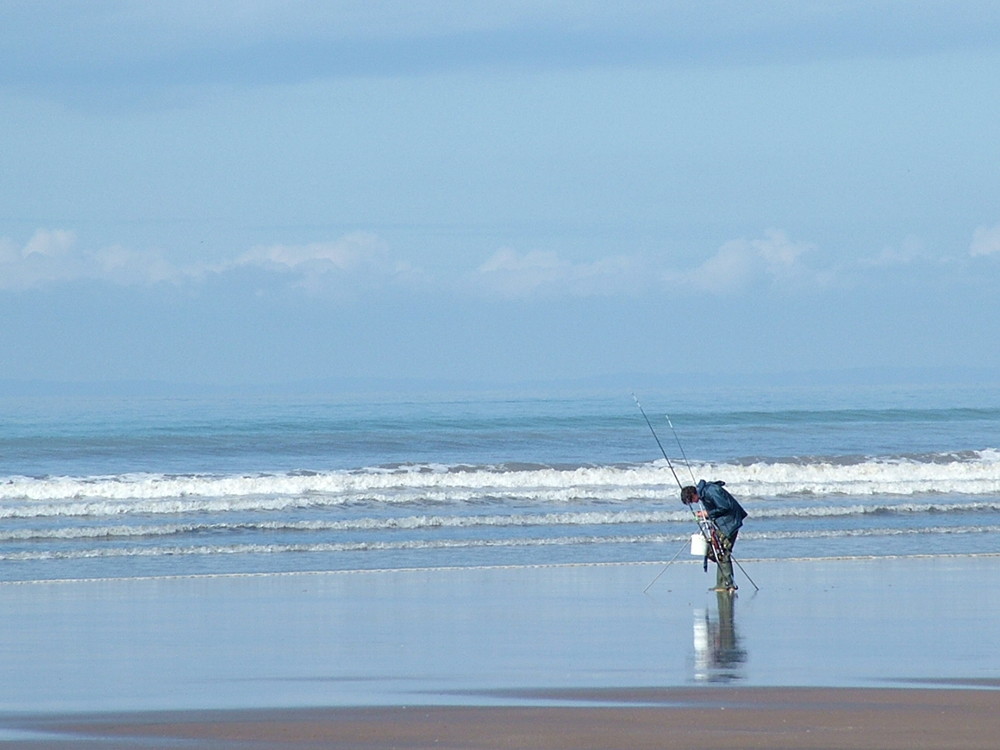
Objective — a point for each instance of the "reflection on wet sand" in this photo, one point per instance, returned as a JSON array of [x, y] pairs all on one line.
[[718, 655]]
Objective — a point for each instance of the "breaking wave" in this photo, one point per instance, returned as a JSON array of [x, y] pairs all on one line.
[[975, 473]]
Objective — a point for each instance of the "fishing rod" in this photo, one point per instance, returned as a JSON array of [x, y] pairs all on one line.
[[681, 448], [709, 535], [705, 524], [657, 439], [676, 554], [743, 571], [723, 540]]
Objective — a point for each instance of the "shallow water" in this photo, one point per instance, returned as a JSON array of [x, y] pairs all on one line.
[[478, 635]]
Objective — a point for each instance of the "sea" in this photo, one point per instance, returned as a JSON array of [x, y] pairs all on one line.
[[106, 487]]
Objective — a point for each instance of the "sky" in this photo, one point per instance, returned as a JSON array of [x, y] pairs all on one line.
[[271, 192]]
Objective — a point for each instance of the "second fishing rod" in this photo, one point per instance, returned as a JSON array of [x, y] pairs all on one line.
[[719, 543]]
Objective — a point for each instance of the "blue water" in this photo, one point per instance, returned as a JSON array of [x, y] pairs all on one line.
[[101, 487]]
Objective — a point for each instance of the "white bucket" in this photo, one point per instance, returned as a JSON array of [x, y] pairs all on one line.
[[698, 545]]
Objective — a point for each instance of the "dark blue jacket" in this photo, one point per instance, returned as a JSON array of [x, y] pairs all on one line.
[[721, 507]]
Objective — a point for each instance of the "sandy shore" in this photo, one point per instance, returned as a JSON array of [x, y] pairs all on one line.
[[704, 718]]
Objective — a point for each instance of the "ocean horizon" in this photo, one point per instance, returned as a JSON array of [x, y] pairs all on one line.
[[882, 376]]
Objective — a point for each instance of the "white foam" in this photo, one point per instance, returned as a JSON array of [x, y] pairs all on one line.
[[458, 544], [330, 547], [359, 524], [498, 521], [22, 497]]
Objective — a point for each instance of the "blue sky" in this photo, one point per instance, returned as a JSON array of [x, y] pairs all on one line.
[[496, 191]]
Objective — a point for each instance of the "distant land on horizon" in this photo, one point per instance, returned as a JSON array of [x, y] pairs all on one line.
[[626, 382]]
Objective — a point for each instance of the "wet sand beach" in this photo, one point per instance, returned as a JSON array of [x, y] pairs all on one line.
[[872, 653], [710, 719]]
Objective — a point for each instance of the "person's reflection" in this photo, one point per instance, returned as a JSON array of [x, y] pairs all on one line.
[[717, 653]]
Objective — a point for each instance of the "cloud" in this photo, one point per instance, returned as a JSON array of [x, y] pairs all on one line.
[[125, 266], [910, 253], [349, 253], [360, 262], [985, 241], [71, 50], [741, 263], [356, 260], [50, 255], [50, 243], [53, 256], [513, 274]]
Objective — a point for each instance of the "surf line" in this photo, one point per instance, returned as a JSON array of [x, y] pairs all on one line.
[[707, 527]]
